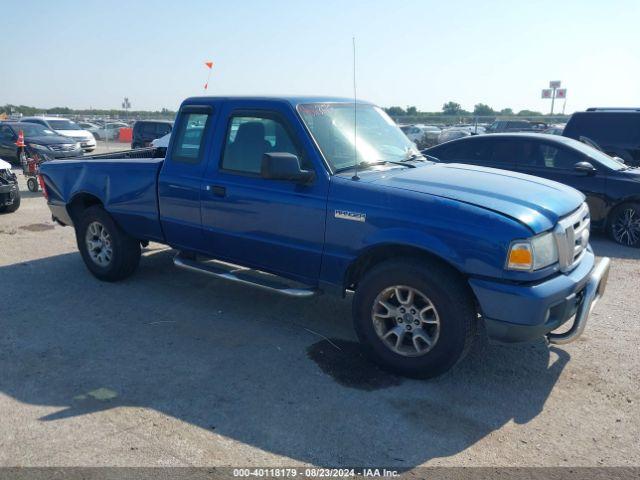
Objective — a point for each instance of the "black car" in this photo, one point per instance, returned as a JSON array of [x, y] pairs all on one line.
[[615, 131], [611, 187], [9, 191], [145, 131], [500, 126], [39, 141]]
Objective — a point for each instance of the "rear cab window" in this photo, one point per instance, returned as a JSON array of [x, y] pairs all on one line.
[[190, 134]]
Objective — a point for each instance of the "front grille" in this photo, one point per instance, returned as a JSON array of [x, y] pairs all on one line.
[[572, 237], [64, 147]]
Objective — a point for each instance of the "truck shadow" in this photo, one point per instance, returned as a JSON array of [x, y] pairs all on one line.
[[251, 365]]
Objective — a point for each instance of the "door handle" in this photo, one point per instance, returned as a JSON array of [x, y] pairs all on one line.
[[217, 190]]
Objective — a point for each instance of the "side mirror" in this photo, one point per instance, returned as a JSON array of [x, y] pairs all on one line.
[[284, 166], [585, 167], [621, 160]]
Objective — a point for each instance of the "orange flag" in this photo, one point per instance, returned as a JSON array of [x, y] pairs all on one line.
[[210, 67]]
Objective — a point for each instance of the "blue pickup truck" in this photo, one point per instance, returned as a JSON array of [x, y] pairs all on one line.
[[309, 195]]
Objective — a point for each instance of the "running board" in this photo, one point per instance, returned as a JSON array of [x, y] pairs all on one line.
[[244, 275]]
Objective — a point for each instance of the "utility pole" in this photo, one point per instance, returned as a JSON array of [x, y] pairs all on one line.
[[554, 91], [126, 105]]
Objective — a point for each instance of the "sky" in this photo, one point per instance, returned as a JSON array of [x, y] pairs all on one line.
[[89, 53]]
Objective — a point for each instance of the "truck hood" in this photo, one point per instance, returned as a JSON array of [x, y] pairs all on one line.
[[533, 201]]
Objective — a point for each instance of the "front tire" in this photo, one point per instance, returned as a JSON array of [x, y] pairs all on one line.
[[624, 225], [417, 320], [109, 252], [14, 206]]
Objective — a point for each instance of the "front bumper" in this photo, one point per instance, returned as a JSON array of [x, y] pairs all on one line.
[[8, 194], [86, 143], [517, 313], [89, 144]]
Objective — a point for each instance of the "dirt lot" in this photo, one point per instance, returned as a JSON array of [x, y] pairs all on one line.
[[171, 368]]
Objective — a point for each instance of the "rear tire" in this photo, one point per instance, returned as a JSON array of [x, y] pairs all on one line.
[[436, 328], [109, 252], [624, 224]]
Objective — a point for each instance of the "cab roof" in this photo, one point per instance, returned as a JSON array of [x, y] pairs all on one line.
[[291, 100]]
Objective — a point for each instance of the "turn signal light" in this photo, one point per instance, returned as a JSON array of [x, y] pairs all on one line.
[[520, 257]]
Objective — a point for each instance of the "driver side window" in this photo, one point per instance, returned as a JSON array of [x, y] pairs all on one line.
[[250, 137], [559, 158]]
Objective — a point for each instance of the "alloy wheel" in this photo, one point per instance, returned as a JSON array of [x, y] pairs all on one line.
[[99, 245], [406, 321], [626, 228]]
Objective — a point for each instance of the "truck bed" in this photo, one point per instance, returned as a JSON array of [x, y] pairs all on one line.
[[125, 183], [149, 152]]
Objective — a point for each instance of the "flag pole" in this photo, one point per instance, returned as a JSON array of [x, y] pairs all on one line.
[[209, 65]]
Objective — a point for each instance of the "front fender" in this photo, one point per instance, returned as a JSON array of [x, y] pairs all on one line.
[[472, 239]]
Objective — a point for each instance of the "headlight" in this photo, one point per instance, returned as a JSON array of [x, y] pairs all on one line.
[[37, 146], [533, 254]]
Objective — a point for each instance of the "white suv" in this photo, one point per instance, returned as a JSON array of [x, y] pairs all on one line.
[[67, 128]]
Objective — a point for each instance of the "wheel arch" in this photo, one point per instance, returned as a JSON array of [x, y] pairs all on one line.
[[80, 202], [379, 253]]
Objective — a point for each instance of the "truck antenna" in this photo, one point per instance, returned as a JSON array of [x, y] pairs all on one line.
[[355, 114]]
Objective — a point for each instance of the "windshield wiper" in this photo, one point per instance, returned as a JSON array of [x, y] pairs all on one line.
[[415, 156], [363, 165]]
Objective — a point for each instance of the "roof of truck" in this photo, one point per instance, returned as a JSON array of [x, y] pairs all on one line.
[[291, 99]]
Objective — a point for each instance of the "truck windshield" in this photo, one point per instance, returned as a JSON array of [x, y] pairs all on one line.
[[377, 138]]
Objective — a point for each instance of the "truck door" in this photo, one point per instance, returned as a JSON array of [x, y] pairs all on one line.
[[180, 179], [273, 225]]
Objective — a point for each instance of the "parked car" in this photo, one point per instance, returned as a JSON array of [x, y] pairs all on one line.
[[612, 189], [162, 142], [554, 130], [615, 131], [500, 126], [452, 133], [145, 131], [87, 126], [66, 128], [9, 191], [272, 186], [420, 134], [38, 139], [109, 131]]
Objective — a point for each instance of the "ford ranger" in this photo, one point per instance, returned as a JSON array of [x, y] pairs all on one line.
[[308, 195]]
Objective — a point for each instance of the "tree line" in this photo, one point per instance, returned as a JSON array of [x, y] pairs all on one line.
[[28, 111], [455, 109]]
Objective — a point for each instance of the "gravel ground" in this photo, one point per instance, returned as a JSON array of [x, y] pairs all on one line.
[[172, 368]]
